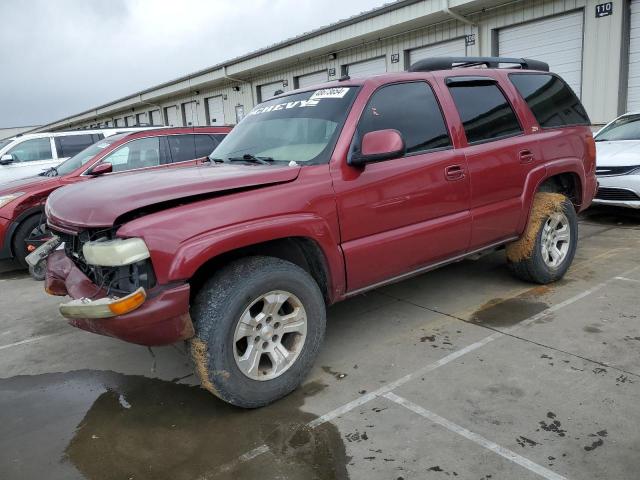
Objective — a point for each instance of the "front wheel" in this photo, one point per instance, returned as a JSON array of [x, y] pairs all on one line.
[[259, 324], [545, 251], [31, 233]]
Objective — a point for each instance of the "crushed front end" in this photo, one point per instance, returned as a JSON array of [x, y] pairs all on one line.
[[114, 290]]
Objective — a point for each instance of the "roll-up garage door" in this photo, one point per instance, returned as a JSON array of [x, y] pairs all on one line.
[[375, 66], [269, 90], [189, 114], [452, 48], [172, 116], [312, 79], [633, 92], [130, 121], [215, 110], [556, 40]]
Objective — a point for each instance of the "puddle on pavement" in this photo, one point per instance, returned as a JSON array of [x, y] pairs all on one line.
[[105, 425], [501, 313]]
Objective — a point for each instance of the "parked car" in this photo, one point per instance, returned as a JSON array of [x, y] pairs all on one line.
[[319, 195], [29, 154], [22, 223], [618, 162]]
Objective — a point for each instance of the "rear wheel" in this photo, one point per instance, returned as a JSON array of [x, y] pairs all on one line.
[[546, 250], [259, 325], [31, 233]]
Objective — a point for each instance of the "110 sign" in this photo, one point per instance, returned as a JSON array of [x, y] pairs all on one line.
[[604, 9]]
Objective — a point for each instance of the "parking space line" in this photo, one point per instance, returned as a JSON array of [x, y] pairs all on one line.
[[386, 389], [28, 340], [476, 438], [628, 279]]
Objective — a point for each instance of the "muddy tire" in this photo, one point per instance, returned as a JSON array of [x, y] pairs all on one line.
[[23, 232], [259, 324], [545, 251]]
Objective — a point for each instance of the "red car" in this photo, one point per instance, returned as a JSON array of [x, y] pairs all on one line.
[[316, 196], [22, 221]]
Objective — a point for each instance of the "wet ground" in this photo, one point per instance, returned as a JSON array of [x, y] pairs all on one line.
[[461, 373]]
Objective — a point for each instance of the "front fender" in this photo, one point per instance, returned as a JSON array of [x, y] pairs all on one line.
[[196, 251]]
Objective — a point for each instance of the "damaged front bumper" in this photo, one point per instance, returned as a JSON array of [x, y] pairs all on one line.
[[159, 316]]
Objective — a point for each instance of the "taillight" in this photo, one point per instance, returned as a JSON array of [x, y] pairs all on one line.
[[590, 160]]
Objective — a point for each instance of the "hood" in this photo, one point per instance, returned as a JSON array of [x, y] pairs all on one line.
[[25, 184], [100, 202], [621, 153]]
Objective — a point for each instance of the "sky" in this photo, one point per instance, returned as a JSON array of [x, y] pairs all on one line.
[[61, 57]]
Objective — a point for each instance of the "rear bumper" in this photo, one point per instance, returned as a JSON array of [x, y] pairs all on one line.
[[161, 320]]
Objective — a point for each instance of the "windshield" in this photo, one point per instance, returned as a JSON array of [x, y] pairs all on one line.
[[624, 128], [87, 154], [302, 127]]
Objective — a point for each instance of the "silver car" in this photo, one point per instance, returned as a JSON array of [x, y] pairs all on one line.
[[618, 162]]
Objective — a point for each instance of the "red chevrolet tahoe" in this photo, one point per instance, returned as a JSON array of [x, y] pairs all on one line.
[[316, 196], [22, 220]]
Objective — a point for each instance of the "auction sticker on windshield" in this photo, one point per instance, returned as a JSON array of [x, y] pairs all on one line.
[[336, 92]]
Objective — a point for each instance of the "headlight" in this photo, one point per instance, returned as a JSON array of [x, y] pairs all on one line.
[[4, 199], [115, 253]]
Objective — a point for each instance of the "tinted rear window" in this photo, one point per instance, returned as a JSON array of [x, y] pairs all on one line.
[[485, 112], [69, 145], [551, 100]]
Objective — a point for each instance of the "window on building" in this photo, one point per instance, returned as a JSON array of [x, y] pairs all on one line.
[[410, 108], [32, 150], [182, 147], [69, 145], [551, 100], [141, 153], [485, 112]]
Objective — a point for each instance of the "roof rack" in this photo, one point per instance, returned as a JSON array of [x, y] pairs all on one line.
[[447, 63]]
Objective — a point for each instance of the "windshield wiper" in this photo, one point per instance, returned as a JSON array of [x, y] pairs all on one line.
[[247, 157], [215, 160], [50, 172]]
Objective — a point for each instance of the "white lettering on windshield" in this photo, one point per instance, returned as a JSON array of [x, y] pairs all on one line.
[[284, 106]]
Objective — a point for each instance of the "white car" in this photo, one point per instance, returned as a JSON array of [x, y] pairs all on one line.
[[618, 162], [30, 154]]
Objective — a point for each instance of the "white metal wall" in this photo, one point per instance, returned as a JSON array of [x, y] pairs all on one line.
[[451, 48], [556, 40], [633, 79]]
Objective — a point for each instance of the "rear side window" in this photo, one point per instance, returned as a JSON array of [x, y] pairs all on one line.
[[410, 108], [69, 145], [32, 150], [205, 144], [551, 100], [182, 147], [485, 112]]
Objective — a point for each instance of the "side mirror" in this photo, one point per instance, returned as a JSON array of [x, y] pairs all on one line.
[[102, 168], [6, 159], [379, 145]]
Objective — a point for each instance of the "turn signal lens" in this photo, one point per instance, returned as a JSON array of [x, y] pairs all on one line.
[[128, 303]]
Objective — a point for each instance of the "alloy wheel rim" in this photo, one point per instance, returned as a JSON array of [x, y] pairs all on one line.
[[555, 240], [270, 335]]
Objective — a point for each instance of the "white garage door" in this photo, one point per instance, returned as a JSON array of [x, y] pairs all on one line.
[[633, 92], [269, 90], [155, 117], [130, 121], [215, 109], [556, 40], [189, 114], [452, 48], [171, 114], [312, 79], [375, 66]]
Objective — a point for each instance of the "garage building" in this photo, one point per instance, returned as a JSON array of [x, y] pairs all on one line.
[[594, 45]]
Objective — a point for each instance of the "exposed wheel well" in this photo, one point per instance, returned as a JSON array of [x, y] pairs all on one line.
[[565, 183], [301, 251]]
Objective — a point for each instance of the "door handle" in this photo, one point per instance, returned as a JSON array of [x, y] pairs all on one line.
[[454, 172], [526, 156]]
